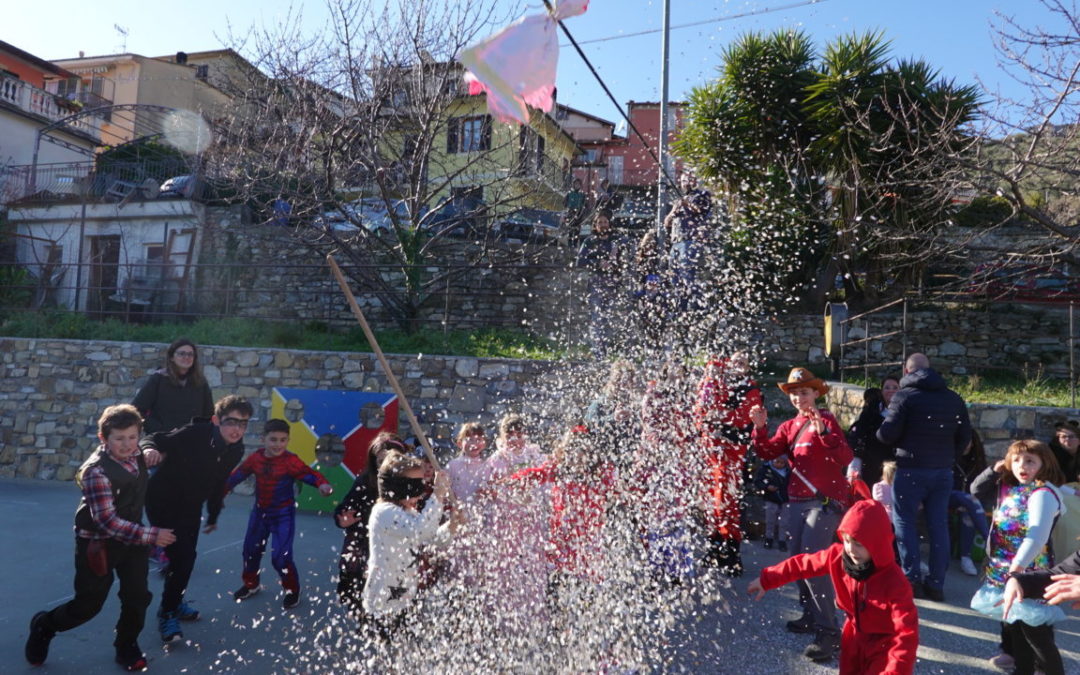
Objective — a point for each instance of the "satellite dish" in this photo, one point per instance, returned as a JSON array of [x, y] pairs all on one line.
[[150, 188]]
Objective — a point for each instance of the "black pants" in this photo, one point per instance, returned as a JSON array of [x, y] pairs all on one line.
[[1033, 647], [129, 564], [185, 525]]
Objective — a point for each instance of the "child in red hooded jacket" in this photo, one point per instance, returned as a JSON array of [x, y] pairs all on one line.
[[881, 634]]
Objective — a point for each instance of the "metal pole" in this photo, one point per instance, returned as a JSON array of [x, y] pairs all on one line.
[[903, 337], [1072, 354], [661, 187]]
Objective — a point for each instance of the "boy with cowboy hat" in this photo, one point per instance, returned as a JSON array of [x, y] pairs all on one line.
[[817, 493]]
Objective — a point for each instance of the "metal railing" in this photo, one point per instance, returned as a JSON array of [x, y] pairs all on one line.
[[865, 322], [51, 106], [49, 182]]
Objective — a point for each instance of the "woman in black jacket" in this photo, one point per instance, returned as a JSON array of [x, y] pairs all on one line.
[[177, 393], [862, 437]]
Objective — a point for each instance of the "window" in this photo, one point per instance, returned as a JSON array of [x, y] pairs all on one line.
[[592, 156], [155, 259], [468, 134], [202, 72], [562, 113]]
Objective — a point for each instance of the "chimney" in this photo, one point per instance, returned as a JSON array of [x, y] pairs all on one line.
[[181, 58], [82, 54]]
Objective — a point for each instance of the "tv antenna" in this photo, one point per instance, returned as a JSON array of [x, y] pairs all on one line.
[[123, 33]]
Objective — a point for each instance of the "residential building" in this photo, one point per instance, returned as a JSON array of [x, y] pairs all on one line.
[[36, 124]]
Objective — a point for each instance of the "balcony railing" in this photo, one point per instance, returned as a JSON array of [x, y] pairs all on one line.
[[84, 180], [51, 107]]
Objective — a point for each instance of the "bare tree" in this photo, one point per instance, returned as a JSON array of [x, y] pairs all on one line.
[[362, 139], [1030, 161]]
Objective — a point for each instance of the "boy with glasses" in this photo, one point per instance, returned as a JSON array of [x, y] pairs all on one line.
[[196, 460]]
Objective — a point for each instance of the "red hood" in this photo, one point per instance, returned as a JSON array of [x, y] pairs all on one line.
[[868, 523]]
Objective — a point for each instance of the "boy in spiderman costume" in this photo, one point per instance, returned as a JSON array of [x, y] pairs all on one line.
[[274, 513], [722, 417]]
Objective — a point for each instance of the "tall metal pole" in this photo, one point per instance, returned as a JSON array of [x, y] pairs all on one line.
[[661, 186]]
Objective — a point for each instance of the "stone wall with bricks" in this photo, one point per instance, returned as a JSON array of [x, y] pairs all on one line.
[[52, 391]]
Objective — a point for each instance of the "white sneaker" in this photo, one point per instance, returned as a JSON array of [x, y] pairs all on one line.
[[924, 569], [967, 566]]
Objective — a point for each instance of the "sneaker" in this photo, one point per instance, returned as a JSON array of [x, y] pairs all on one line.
[[131, 658], [824, 647], [244, 592], [292, 599], [804, 624], [918, 591], [934, 594], [186, 612], [169, 627], [782, 545], [1003, 661], [967, 566], [37, 644], [768, 542]]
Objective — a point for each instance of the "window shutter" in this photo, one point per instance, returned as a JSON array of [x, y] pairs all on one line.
[[485, 133], [452, 134]]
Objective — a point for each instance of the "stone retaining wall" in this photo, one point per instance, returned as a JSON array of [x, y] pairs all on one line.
[[52, 391], [999, 425], [959, 339]]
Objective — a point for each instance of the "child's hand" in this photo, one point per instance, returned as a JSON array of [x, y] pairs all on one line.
[[815, 419], [758, 416], [164, 537], [326, 489], [999, 466], [1012, 594], [151, 456], [442, 486], [755, 589], [347, 518], [771, 488]]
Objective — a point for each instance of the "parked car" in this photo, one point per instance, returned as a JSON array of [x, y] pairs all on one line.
[[178, 186], [1027, 282], [529, 225], [371, 212], [463, 217], [635, 213]]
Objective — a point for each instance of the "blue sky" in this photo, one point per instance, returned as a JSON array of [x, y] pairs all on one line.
[[954, 35]]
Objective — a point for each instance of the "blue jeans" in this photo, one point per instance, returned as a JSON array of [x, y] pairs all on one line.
[[929, 488], [972, 519]]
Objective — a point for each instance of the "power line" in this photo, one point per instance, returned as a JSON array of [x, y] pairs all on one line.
[[718, 19]]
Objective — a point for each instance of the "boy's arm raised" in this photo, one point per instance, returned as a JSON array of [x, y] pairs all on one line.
[[801, 566]]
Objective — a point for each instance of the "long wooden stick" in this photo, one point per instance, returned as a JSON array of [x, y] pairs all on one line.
[[382, 361]]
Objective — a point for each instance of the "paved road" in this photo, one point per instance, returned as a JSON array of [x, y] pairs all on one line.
[[730, 634]]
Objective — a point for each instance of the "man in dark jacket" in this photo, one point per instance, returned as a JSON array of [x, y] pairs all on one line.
[[928, 424], [196, 461], [603, 254]]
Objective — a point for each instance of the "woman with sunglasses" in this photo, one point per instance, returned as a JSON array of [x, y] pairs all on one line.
[[177, 393]]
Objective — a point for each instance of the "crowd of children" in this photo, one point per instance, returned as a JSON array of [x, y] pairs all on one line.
[[527, 534]]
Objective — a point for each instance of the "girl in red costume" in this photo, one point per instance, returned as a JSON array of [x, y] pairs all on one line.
[[881, 633], [722, 417]]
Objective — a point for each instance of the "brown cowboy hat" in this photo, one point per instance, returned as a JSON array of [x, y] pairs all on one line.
[[802, 377]]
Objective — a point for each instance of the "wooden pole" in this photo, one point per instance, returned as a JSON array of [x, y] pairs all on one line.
[[382, 361]]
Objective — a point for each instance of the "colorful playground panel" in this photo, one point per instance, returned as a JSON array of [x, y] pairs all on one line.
[[341, 413]]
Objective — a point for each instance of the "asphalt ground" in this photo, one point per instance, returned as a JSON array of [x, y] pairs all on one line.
[[728, 634]]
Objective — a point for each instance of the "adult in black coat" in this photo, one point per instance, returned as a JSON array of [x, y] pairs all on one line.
[[928, 424], [1065, 444], [862, 436], [176, 394]]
